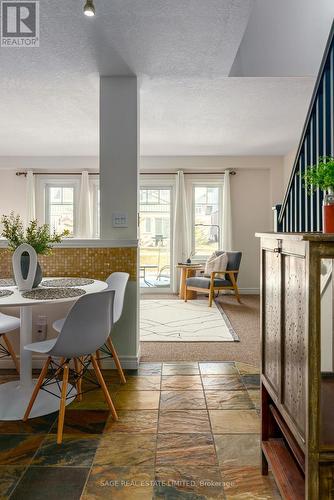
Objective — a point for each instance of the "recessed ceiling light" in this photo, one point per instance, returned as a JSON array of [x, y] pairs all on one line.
[[89, 9]]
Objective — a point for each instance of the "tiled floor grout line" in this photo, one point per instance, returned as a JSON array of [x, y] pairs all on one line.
[[157, 434], [212, 435], [29, 464], [88, 427], [32, 458]]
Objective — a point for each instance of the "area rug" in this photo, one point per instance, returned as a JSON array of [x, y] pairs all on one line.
[[179, 321]]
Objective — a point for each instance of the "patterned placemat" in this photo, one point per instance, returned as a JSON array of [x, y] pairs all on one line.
[[7, 282], [53, 293], [66, 282], [5, 293]]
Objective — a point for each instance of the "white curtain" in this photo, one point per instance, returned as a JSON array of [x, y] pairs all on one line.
[[30, 197], [84, 216], [226, 236], [181, 231]]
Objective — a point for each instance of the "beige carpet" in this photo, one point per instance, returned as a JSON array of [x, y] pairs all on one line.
[[245, 320]]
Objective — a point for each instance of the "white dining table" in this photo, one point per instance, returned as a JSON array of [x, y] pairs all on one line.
[[15, 395]]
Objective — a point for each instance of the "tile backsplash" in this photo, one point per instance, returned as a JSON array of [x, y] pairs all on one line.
[[97, 263]]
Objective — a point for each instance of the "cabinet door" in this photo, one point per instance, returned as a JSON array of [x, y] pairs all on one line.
[[271, 318], [295, 341]]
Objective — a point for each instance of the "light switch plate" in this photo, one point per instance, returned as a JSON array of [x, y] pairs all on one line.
[[119, 219]]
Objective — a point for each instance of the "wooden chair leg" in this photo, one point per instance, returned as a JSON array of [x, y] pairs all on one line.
[[104, 387], [235, 288], [61, 416], [211, 295], [77, 366], [98, 358], [37, 388], [12, 353], [117, 361]]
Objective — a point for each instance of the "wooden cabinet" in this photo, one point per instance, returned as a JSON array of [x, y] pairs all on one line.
[[297, 398]]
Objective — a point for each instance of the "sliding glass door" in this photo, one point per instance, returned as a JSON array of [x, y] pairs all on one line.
[[156, 211]]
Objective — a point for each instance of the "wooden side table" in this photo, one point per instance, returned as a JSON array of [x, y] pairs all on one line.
[[187, 271]]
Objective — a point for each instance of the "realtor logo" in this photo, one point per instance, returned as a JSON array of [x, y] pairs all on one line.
[[20, 24]]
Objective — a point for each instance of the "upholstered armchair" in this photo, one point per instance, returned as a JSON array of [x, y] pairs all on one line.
[[218, 280]]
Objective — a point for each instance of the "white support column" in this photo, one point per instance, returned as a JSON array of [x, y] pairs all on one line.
[[119, 149], [119, 165]]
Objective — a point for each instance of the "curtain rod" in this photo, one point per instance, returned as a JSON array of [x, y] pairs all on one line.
[[232, 172], [19, 174]]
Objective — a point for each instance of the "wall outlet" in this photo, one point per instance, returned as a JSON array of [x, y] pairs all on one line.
[[41, 328]]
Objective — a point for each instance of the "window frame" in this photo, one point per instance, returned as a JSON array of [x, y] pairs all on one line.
[[192, 183], [43, 184], [166, 181]]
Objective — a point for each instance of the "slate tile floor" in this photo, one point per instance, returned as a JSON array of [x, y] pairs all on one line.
[[185, 431]]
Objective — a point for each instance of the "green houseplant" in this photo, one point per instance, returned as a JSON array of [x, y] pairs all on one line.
[[39, 237], [321, 176]]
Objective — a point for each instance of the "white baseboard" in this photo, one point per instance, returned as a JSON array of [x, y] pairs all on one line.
[[127, 362], [249, 291]]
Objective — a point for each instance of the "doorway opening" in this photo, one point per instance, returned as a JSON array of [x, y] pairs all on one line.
[[156, 204]]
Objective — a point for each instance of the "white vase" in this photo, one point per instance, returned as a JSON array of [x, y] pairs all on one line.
[[24, 284]]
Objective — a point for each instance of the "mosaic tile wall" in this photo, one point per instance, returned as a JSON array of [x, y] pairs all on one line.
[[95, 263]]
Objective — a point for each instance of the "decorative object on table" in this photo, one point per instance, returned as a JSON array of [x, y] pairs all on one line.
[[7, 282], [188, 261], [38, 237], [66, 282], [53, 293], [176, 321], [24, 277], [321, 176], [224, 279], [5, 293]]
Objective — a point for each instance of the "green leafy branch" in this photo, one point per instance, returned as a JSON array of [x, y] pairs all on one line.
[[321, 175], [39, 237]]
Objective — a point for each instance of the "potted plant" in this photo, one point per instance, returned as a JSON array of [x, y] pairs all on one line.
[[39, 237], [321, 176]]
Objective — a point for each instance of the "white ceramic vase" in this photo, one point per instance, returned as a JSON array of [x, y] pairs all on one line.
[[24, 284]]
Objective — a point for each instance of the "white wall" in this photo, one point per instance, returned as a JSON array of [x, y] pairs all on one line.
[[12, 193], [288, 161]]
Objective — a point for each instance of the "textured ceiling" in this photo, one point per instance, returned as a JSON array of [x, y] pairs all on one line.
[[182, 52], [229, 116]]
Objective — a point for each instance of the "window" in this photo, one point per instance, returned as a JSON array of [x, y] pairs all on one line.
[[206, 219], [60, 207], [57, 202]]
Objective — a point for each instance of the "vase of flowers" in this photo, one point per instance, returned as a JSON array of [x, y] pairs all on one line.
[[321, 176], [39, 237]]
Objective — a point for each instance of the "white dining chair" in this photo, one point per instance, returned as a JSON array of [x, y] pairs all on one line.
[[8, 324], [117, 282], [91, 313]]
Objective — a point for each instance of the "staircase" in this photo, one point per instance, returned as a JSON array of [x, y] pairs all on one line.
[[301, 211]]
